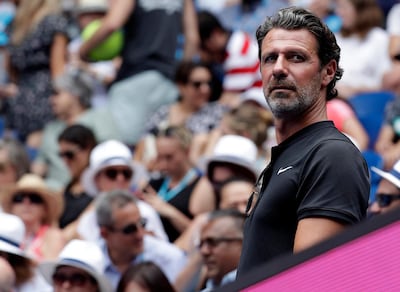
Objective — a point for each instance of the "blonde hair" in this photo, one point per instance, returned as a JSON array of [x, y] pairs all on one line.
[[29, 14]]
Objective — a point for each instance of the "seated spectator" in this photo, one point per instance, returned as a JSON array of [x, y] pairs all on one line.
[[324, 9], [14, 161], [193, 108], [233, 53], [219, 247], [111, 167], [235, 193], [170, 194], [39, 208], [387, 197], [346, 121], [79, 267], [145, 276], [75, 144], [71, 105], [124, 241], [361, 32], [12, 233], [233, 155]]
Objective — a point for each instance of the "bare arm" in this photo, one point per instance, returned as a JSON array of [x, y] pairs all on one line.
[[190, 30], [202, 198], [117, 15], [311, 231], [53, 243], [353, 127], [58, 55]]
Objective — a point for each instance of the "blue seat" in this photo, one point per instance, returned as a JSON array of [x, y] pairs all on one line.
[[370, 110], [373, 159]]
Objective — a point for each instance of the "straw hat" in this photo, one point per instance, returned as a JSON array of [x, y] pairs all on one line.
[[34, 183], [81, 254]]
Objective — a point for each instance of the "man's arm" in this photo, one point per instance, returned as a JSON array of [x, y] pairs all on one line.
[[190, 30], [311, 231], [116, 16]]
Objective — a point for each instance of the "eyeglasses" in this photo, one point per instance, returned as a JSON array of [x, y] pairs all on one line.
[[384, 200], [75, 279], [112, 173], [198, 84], [68, 154], [214, 241], [32, 197], [131, 228]]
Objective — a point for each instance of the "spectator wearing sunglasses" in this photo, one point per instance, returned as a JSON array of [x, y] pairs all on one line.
[[27, 277], [71, 104], [387, 197], [75, 144], [124, 239], [39, 208], [79, 267], [193, 109], [111, 167]]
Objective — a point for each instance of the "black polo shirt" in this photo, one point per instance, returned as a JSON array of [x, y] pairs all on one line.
[[317, 172]]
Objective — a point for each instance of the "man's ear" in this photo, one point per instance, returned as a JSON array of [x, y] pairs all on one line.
[[328, 72]]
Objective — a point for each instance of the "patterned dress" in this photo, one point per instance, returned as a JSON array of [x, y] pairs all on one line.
[[30, 110]]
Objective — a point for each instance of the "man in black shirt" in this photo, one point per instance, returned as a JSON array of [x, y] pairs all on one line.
[[317, 182]]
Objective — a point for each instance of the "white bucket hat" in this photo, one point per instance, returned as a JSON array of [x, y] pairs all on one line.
[[92, 6], [393, 175], [106, 154], [83, 255], [12, 233], [236, 150]]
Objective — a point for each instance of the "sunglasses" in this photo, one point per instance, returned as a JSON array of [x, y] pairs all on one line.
[[68, 154], [131, 228], [75, 279], [384, 200], [214, 241], [396, 57], [112, 173], [198, 84], [32, 197]]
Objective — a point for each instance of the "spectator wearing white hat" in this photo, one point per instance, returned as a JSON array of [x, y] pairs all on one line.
[[233, 155], [387, 197], [12, 232], [79, 267], [111, 167]]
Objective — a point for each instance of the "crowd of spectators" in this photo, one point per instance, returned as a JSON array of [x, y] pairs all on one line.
[[133, 174]]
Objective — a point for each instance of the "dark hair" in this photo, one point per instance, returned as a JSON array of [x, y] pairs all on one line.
[[369, 15], [236, 216], [208, 23], [148, 275], [78, 135], [295, 18], [186, 67]]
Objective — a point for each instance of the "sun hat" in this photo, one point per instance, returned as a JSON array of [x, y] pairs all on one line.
[[33, 183], [12, 233], [106, 154], [92, 6], [235, 150], [393, 175], [81, 254]]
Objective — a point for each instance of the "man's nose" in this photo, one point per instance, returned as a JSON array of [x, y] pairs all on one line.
[[280, 68]]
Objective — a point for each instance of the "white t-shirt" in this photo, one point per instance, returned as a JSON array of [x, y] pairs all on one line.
[[393, 20], [364, 61]]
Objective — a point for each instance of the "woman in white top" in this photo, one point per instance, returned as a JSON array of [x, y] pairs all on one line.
[[364, 47]]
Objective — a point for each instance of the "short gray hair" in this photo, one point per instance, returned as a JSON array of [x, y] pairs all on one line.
[[17, 155], [107, 202]]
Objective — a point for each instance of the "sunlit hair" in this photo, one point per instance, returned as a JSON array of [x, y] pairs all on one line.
[[181, 133], [369, 15], [29, 14], [295, 18]]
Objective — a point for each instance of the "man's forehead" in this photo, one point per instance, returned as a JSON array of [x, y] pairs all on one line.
[[290, 39]]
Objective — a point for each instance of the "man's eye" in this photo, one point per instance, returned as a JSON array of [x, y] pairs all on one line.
[[269, 59], [297, 58]]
